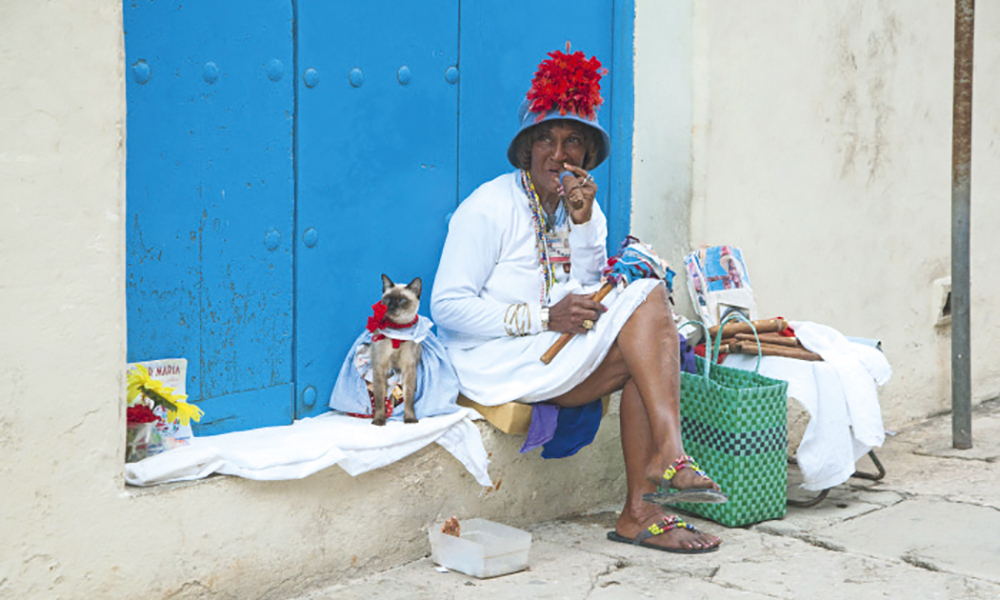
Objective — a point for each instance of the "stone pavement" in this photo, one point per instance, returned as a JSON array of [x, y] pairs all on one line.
[[929, 529]]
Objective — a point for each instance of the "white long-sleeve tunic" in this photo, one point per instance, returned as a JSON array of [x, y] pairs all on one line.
[[489, 285]]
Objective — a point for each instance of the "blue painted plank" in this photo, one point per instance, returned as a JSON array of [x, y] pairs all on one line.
[[257, 408], [163, 272], [211, 200], [619, 209], [502, 45], [376, 164]]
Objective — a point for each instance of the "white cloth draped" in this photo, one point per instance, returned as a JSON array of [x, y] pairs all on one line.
[[309, 445], [437, 385], [841, 396], [507, 369]]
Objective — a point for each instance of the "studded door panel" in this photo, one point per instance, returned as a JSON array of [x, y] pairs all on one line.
[[211, 201], [377, 148]]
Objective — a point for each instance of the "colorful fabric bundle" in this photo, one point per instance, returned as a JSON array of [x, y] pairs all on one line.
[[636, 260]]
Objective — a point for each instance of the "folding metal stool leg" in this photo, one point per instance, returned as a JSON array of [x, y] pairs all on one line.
[[823, 494]]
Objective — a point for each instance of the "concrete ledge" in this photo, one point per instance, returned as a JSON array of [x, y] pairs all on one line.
[[357, 526]]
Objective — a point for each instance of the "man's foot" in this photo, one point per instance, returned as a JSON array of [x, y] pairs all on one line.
[[684, 481], [682, 477], [670, 534]]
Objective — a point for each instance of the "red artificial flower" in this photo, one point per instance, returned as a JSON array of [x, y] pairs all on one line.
[[140, 413], [569, 82], [378, 316]]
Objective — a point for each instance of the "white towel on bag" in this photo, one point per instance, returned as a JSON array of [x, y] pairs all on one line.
[[840, 394]]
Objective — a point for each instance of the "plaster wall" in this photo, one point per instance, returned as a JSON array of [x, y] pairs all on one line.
[[71, 529], [822, 147], [662, 141]]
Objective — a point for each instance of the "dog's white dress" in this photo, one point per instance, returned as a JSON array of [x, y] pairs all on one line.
[[489, 266], [437, 385]]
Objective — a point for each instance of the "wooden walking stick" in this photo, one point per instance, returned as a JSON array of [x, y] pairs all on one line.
[[634, 260]]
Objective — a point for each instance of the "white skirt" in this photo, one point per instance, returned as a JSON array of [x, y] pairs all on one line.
[[510, 368]]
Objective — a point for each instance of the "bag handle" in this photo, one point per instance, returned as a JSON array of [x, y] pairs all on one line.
[[718, 338]]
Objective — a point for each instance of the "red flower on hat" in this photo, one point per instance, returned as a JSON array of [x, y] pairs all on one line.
[[569, 82]]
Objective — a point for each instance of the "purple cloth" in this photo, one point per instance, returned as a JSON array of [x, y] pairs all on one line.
[[562, 431], [576, 429], [544, 418], [688, 363]]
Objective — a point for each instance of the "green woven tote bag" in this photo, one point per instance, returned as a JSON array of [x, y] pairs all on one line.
[[734, 424]]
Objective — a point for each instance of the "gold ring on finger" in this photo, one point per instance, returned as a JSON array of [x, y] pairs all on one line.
[[588, 324]]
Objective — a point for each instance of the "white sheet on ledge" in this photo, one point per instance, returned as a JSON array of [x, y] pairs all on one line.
[[841, 396], [309, 445]]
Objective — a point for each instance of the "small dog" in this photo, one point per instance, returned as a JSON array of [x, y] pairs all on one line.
[[401, 302]]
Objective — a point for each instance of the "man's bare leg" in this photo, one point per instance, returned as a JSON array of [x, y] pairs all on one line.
[[637, 445], [646, 356], [648, 347], [646, 352]]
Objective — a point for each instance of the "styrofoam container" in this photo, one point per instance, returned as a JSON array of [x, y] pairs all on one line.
[[485, 549]]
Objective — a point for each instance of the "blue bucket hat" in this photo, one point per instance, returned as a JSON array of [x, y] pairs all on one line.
[[528, 119], [566, 86]]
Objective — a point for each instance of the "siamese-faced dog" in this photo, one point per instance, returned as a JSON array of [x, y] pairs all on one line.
[[401, 302]]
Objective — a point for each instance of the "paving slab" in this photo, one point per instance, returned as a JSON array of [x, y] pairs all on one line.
[[842, 504], [934, 437], [933, 534], [920, 460], [969, 481], [569, 561], [795, 569], [929, 530], [634, 582], [588, 533], [555, 571]]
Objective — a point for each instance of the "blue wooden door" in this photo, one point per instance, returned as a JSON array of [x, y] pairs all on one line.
[[504, 44], [377, 163], [282, 155], [211, 201]]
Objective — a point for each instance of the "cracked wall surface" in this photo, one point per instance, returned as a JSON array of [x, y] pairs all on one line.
[[822, 147]]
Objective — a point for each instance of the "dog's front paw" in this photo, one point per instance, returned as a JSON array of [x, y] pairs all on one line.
[[380, 421], [411, 420]]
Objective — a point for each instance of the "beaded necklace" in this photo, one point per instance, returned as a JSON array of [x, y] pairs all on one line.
[[541, 241]]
